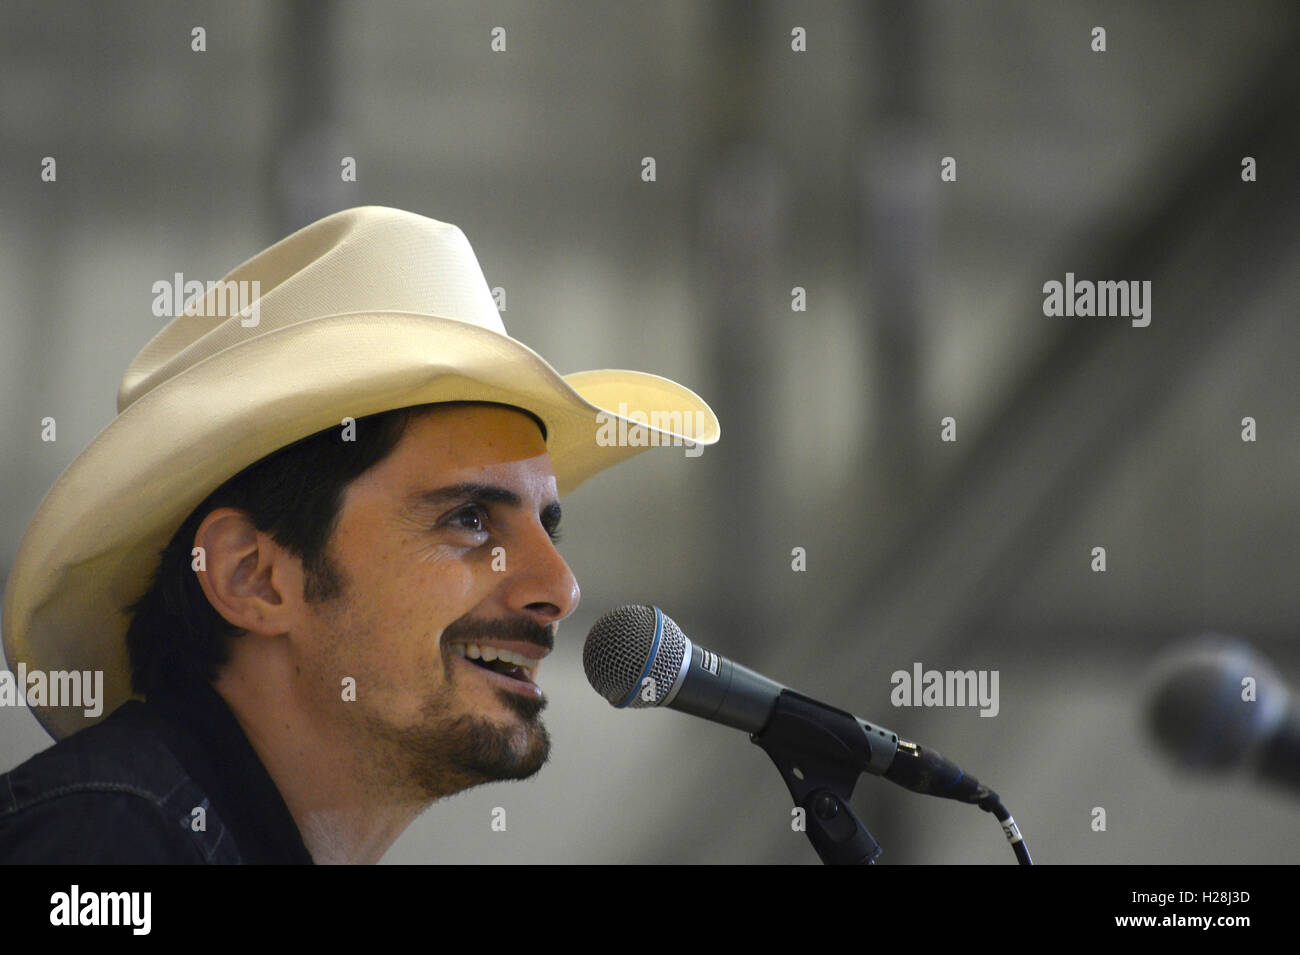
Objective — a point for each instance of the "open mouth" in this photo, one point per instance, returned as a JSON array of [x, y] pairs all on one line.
[[505, 663]]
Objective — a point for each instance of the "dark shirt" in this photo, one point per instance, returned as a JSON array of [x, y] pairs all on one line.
[[125, 791]]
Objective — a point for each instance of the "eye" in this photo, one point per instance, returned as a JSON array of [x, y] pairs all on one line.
[[472, 518]]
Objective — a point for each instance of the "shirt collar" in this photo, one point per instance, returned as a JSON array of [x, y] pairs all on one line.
[[218, 756]]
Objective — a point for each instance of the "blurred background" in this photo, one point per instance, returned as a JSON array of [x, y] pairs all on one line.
[[775, 169]]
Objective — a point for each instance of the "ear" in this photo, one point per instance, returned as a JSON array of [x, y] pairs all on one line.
[[252, 582]]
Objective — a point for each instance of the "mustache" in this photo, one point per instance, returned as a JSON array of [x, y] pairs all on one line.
[[511, 628]]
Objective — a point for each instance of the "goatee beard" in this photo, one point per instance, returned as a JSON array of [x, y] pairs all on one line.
[[448, 754]]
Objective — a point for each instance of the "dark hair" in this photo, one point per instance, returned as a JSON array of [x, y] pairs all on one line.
[[293, 494]]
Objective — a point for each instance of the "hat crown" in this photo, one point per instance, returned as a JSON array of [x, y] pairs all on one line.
[[365, 259]]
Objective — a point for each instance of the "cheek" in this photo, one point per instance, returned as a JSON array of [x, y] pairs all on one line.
[[408, 589], [421, 598], [438, 586]]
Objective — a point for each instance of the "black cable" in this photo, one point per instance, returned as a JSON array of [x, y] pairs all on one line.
[[991, 803]]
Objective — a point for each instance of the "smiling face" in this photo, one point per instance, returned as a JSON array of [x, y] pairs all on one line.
[[444, 552]]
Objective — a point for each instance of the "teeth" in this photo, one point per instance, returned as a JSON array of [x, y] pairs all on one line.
[[473, 651]]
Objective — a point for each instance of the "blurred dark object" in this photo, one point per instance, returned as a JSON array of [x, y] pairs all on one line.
[[1219, 706]]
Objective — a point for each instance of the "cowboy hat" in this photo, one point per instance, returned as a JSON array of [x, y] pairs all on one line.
[[364, 311]]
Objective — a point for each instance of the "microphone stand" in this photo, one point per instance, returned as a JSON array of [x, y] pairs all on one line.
[[820, 752]]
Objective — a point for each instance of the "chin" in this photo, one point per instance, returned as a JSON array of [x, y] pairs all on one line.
[[452, 751], [529, 747], [474, 749]]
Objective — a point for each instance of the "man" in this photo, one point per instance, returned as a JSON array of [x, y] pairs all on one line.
[[319, 541]]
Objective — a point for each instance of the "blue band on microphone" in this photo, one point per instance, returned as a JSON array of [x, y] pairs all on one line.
[[654, 651]]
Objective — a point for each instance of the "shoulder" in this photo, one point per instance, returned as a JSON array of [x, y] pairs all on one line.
[[113, 793], [90, 827]]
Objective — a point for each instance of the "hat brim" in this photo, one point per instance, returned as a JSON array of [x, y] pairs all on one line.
[[95, 539]]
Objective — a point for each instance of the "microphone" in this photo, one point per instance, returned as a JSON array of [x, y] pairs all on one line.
[[637, 657], [1217, 705]]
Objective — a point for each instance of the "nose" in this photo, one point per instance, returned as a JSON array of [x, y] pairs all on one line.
[[539, 582]]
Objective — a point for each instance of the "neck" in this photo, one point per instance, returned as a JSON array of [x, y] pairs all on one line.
[[347, 808]]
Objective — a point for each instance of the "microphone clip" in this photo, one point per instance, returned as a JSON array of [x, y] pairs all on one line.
[[820, 752]]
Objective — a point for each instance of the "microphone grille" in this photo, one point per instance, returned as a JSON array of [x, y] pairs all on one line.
[[619, 647]]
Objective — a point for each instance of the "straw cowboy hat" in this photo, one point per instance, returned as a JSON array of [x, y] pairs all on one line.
[[367, 310]]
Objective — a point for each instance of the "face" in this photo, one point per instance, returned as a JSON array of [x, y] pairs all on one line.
[[446, 559]]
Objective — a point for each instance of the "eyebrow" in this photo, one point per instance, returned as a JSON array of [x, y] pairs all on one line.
[[473, 492]]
